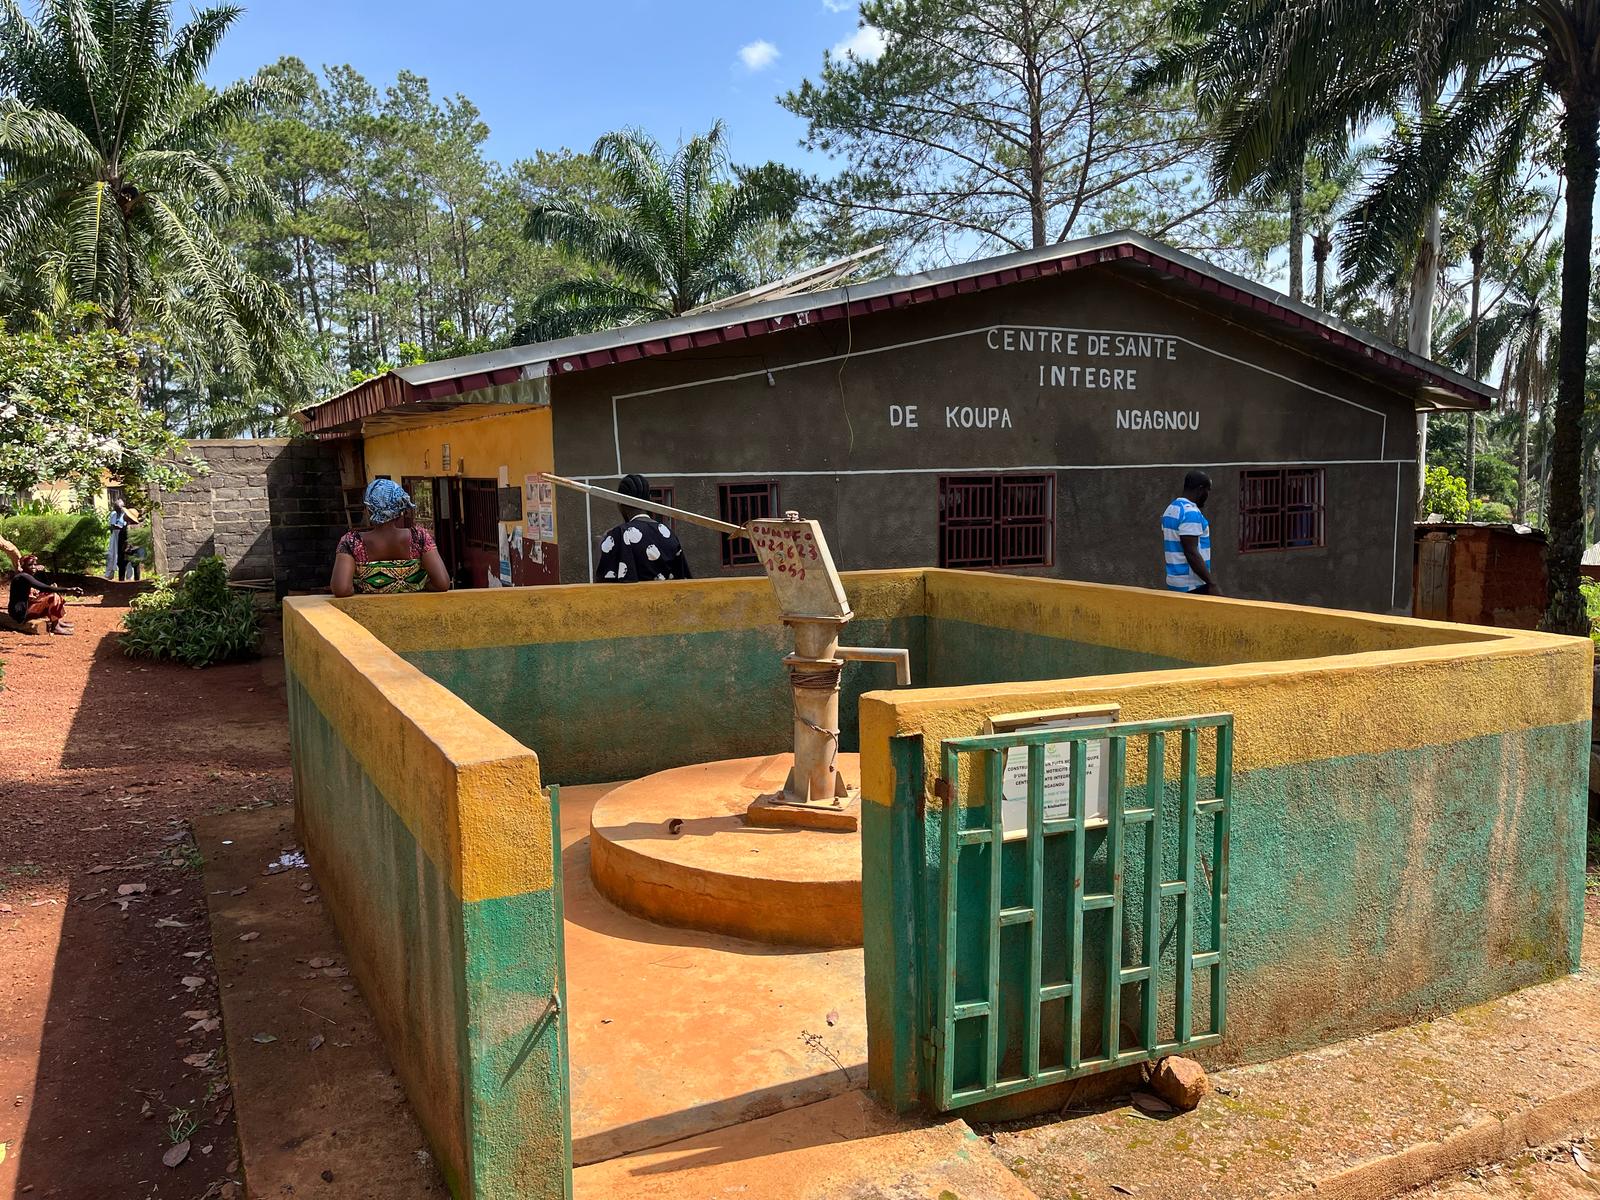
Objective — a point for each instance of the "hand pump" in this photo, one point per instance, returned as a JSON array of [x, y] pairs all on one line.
[[811, 598]]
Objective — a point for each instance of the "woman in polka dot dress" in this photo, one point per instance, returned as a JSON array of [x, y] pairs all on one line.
[[642, 548]]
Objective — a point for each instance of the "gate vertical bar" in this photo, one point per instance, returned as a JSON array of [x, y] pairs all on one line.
[[994, 779], [1116, 775], [950, 850], [1080, 812], [1035, 851], [1187, 787], [1219, 875], [1155, 789]]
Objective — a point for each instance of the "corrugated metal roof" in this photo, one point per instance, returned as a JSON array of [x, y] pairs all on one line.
[[455, 377]]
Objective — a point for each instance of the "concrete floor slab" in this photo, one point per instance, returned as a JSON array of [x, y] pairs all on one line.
[[673, 1032], [844, 1147], [677, 847]]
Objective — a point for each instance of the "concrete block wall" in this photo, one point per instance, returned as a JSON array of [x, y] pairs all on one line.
[[271, 508]]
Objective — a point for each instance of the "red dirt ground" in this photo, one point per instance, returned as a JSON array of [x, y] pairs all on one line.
[[103, 763]]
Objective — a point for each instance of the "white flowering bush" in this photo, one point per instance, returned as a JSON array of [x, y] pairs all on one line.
[[70, 409]]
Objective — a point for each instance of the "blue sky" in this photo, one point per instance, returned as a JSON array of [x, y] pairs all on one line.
[[549, 74]]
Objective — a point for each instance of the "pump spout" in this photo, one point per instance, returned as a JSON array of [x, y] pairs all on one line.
[[900, 658]]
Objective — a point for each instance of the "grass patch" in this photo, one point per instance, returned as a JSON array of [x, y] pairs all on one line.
[[1591, 879]]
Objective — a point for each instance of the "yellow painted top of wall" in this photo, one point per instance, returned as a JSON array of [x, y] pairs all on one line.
[[587, 612], [1284, 712], [1197, 629], [468, 791], [518, 439]]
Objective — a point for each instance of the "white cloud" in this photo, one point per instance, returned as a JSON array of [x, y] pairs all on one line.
[[758, 55], [866, 44], [837, 6]]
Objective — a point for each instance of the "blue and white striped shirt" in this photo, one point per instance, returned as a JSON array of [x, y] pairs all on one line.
[[1183, 518]]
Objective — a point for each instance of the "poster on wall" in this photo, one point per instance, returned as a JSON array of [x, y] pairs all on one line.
[[1057, 766], [503, 577], [539, 506]]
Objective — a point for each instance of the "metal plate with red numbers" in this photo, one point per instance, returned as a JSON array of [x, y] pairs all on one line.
[[795, 556]]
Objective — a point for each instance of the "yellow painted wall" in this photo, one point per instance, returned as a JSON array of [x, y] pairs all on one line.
[[518, 439]]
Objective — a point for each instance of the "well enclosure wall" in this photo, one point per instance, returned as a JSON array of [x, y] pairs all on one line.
[[1408, 810], [1408, 803]]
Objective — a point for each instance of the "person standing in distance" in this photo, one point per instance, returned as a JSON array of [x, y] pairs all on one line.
[[1186, 539], [643, 547]]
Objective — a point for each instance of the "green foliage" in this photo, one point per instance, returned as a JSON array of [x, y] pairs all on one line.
[[1010, 124], [1445, 495], [1491, 511], [1591, 603], [671, 243], [116, 188], [64, 541], [397, 239], [70, 410], [197, 620]]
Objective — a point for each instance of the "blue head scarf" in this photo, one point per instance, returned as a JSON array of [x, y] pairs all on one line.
[[386, 500]]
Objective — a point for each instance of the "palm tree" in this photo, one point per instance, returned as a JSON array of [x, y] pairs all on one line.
[[1522, 333], [1484, 78], [671, 243], [113, 180]]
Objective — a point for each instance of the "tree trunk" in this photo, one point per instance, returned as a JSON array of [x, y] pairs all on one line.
[[1297, 233], [1522, 462], [1321, 247], [1419, 332], [1472, 417], [1566, 613]]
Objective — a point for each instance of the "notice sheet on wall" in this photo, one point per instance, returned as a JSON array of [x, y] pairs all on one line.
[[1057, 766]]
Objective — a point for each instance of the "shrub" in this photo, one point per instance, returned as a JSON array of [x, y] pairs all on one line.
[[64, 541], [1492, 511], [197, 620], [1444, 495]]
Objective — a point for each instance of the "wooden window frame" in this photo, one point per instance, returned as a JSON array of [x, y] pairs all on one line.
[[737, 551], [986, 535], [1282, 509], [665, 495]]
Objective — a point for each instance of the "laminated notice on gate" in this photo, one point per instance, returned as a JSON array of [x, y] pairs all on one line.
[[795, 556], [1057, 766]]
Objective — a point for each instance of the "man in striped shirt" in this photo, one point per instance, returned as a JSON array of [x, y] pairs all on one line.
[[1186, 539]]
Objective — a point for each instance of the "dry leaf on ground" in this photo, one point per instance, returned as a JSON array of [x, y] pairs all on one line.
[[177, 1154]]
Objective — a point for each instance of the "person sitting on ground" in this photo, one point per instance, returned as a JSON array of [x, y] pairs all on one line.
[[33, 598], [642, 547], [393, 554]]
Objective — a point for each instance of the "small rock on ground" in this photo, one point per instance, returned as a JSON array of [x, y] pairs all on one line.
[[1181, 1082]]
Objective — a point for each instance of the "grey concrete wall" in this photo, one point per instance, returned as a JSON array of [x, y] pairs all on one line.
[[835, 436], [269, 508]]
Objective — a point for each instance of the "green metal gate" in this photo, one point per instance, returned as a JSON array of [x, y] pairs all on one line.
[[1034, 882]]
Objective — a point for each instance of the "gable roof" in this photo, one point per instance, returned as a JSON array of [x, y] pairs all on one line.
[[522, 373]]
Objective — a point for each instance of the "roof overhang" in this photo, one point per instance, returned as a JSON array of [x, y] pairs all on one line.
[[428, 388], [388, 402]]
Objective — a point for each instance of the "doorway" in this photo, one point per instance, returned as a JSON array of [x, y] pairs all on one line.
[[461, 515]]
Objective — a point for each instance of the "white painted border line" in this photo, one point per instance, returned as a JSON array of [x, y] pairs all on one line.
[[1383, 433], [981, 469]]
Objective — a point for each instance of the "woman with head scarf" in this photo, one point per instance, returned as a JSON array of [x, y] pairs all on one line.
[[393, 554]]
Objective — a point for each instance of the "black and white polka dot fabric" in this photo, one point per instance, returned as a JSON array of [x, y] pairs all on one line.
[[640, 550]]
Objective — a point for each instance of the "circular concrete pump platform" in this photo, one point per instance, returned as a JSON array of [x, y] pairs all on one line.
[[674, 847]]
